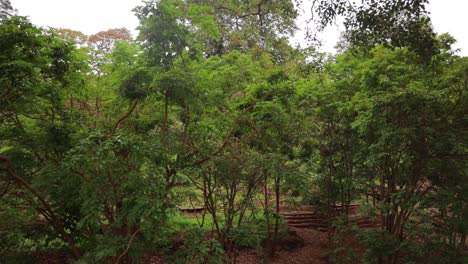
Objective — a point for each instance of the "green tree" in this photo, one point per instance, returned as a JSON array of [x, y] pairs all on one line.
[[35, 67], [390, 105], [395, 23]]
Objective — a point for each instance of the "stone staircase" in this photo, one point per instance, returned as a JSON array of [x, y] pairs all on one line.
[[311, 219], [366, 222], [305, 219]]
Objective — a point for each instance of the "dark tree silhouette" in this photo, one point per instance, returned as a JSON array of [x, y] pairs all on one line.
[[6, 9]]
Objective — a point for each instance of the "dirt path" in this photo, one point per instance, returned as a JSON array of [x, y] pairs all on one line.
[[313, 252]]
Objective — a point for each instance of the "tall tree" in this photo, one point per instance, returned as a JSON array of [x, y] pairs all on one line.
[[37, 72], [379, 139], [396, 23], [6, 9], [249, 24], [75, 36], [105, 40]]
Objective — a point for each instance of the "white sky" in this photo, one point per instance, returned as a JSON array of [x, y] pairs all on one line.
[[92, 16]]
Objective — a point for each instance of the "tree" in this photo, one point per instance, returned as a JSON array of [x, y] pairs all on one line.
[[218, 27], [6, 9], [105, 40], [102, 43], [389, 105], [246, 25], [35, 67], [396, 23], [54, 122], [72, 35]]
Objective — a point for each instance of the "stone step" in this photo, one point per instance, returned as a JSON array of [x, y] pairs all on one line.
[[311, 219], [363, 221], [301, 221], [367, 221], [365, 224], [309, 225], [298, 213], [368, 226], [306, 217], [363, 218], [194, 209]]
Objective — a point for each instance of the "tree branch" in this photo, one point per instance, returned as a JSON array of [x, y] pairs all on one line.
[[125, 116], [128, 247], [48, 212]]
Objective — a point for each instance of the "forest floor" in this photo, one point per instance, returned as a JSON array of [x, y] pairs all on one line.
[[313, 251]]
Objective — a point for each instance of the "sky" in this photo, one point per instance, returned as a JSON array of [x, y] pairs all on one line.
[[92, 16]]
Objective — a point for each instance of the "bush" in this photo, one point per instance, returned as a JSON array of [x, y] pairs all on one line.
[[199, 248], [249, 234]]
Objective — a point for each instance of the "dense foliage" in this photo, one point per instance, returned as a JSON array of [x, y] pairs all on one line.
[[103, 138]]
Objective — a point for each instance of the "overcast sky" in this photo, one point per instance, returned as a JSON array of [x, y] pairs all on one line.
[[91, 16]]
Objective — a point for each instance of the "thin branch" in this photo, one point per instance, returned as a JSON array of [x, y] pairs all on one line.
[[125, 116], [225, 141], [128, 247]]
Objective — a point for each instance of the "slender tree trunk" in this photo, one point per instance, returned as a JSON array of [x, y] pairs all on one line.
[[267, 216], [166, 114], [277, 198]]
